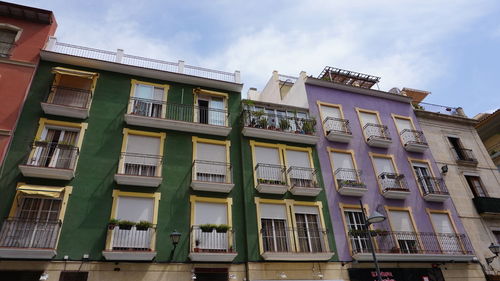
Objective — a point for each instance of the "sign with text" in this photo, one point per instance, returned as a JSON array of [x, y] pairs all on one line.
[[396, 274]]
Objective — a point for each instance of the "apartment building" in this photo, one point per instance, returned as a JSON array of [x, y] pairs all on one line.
[[23, 32]]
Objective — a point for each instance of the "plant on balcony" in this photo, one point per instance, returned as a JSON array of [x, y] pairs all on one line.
[[262, 123], [350, 183], [308, 126], [39, 142], [358, 232], [112, 223], [65, 144], [222, 228], [284, 124], [126, 225], [143, 225], [208, 227]]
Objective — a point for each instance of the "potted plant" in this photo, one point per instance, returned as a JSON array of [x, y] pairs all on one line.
[[222, 228], [284, 124], [381, 232], [126, 225], [113, 223], [143, 225], [262, 123], [308, 126], [197, 245], [207, 227]]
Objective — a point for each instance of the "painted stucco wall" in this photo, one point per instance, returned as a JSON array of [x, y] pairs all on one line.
[[372, 197]]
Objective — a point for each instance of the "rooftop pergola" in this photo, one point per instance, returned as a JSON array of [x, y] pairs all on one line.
[[346, 77]]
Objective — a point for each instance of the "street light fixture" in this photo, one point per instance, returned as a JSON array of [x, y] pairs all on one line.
[[376, 217], [495, 249], [175, 237]]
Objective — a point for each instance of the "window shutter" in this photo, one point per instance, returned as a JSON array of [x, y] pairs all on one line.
[[330, 111], [211, 152], [442, 223], [383, 165], [213, 213], [306, 210], [403, 124], [368, 118], [298, 159], [143, 145], [342, 160], [135, 209], [272, 211], [400, 221], [267, 155]]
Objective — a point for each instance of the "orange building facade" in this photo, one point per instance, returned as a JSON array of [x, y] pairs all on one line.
[[23, 32]]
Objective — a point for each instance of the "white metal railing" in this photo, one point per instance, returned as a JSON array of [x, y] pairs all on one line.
[[211, 241], [120, 57], [131, 239]]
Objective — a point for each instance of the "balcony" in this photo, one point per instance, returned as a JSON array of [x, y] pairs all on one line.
[[130, 244], [271, 178], [412, 246], [68, 102], [139, 170], [259, 124], [295, 244], [433, 189], [377, 135], [464, 156], [51, 161], [211, 246], [349, 182], [393, 186], [29, 238], [413, 140], [303, 181], [212, 176], [337, 129], [178, 117], [487, 206]]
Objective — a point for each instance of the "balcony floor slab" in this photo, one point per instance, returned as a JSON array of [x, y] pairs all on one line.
[[413, 257], [212, 186], [64, 110], [129, 255], [212, 256], [138, 180], [46, 172], [294, 256], [279, 135], [27, 253]]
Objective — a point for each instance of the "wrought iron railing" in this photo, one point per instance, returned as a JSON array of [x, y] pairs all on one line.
[[281, 239], [337, 125], [303, 177], [349, 178], [432, 185], [464, 154], [179, 112], [52, 155], [29, 233], [132, 239], [392, 182], [137, 164], [68, 96], [5, 48], [376, 131], [412, 137], [270, 174], [212, 240], [212, 171], [405, 242], [281, 123]]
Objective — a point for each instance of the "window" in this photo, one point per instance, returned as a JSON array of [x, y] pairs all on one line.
[[275, 231], [355, 223], [461, 153], [402, 227], [308, 229], [299, 167], [387, 174], [345, 172], [476, 186], [56, 148], [148, 99], [210, 107], [371, 125], [332, 118], [407, 132], [448, 240], [73, 276], [7, 39], [211, 160], [142, 155], [269, 165], [426, 181], [272, 118]]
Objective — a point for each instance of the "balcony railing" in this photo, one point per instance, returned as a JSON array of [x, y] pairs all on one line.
[[132, 239], [68, 96], [447, 110], [412, 137], [52, 155], [281, 123], [212, 171], [337, 125], [280, 240], [136, 164], [393, 182], [29, 233], [349, 178], [376, 131], [5, 48], [178, 112], [488, 206], [431, 185], [302, 177], [464, 155], [402, 242], [270, 174], [126, 59], [212, 241]]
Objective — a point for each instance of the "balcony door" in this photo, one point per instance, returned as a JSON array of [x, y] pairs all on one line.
[[334, 117], [36, 223], [386, 173], [210, 162], [309, 232], [148, 101], [269, 166], [211, 110], [344, 168], [142, 156], [424, 178], [210, 213], [56, 149], [134, 209], [404, 233], [447, 238], [275, 232], [355, 221], [403, 124], [300, 168]]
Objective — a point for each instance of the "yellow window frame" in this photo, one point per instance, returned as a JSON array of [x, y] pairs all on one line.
[[447, 212], [134, 83], [361, 110], [200, 91], [226, 143], [351, 152], [343, 207], [387, 156], [410, 212], [59, 71], [127, 132], [321, 114]]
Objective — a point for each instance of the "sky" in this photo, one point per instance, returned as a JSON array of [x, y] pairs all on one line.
[[448, 47]]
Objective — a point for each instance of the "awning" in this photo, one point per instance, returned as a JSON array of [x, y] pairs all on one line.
[[74, 72], [43, 191]]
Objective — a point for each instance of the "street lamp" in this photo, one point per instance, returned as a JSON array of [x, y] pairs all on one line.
[[495, 249], [376, 217], [175, 237]]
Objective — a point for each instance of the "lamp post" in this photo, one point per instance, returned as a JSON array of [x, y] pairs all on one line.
[[175, 237], [376, 217], [495, 249]]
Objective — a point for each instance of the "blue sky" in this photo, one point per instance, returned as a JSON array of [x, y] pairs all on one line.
[[448, 47]]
